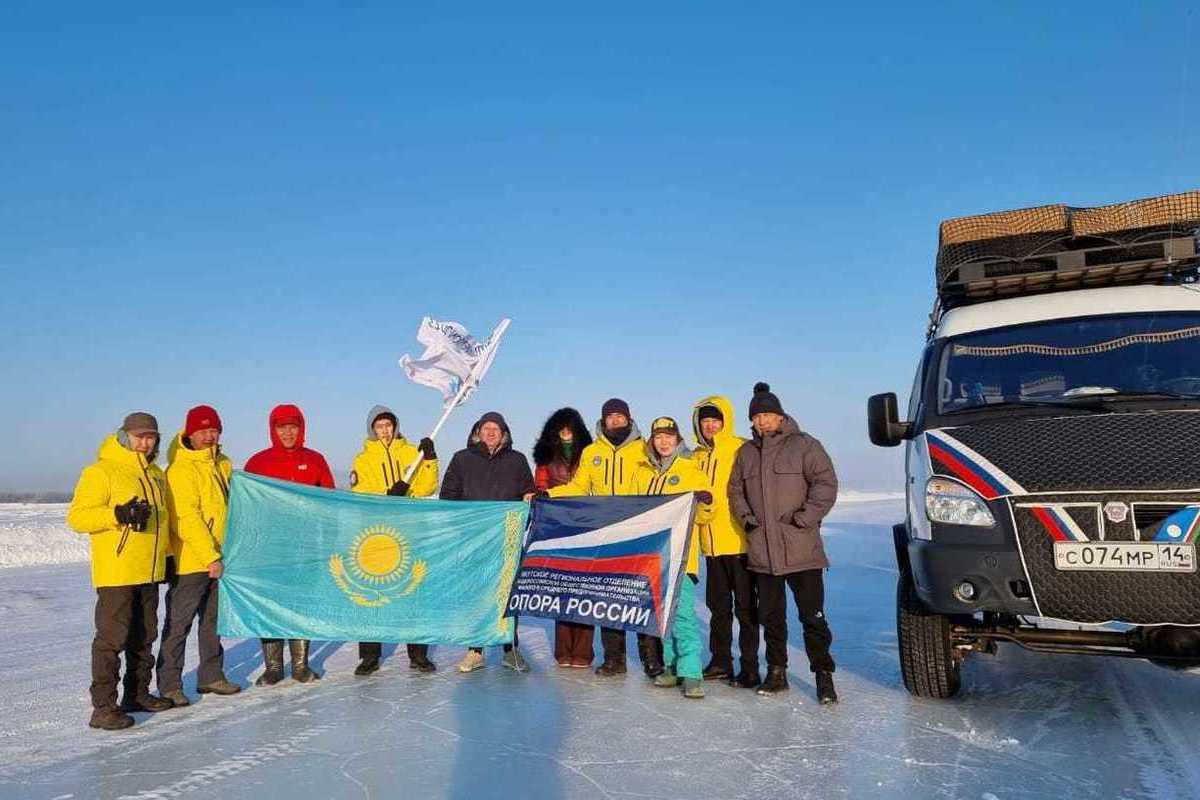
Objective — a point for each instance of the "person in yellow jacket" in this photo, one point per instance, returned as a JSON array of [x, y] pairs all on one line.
[[379, 468], [120, 503], [723, 543], [667, 469], [607, 467], [198, 476]]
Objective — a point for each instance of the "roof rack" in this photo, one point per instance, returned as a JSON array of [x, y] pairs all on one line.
[[1060, 248], [1054, 248]]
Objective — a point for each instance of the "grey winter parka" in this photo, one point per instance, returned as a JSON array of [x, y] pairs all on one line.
[[781, 487]]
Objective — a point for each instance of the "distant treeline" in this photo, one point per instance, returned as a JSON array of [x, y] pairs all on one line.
[[35, 497]]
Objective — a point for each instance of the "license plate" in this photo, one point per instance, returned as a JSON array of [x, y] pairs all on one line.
[[1125, 556]]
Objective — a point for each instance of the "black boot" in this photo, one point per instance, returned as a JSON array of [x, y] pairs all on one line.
[[273, 661], [745, 680], [300, 671], [650, 653], [418, 658], [365, 667], [716, 670], [144, 701], [776, 681], [825, 690], [611, 667]]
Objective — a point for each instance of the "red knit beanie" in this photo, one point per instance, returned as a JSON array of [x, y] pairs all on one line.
[[201, 418]]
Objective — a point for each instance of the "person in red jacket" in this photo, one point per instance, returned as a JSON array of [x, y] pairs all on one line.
[[288, 459], [556, 455]]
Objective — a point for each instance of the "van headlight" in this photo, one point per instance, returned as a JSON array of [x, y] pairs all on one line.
[[954, 504]]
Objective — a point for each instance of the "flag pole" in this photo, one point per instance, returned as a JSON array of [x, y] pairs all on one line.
[[484, 361]]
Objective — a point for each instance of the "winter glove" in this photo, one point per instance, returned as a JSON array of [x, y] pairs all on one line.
[[134, 513], [704, 496], [426, 448], [399, 489]]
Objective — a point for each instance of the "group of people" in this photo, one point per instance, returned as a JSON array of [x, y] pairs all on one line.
[[759, 501]]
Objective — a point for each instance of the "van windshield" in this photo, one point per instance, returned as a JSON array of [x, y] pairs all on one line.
[[1073, 361]]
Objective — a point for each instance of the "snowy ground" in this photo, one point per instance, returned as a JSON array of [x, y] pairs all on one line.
[[1025, 726]]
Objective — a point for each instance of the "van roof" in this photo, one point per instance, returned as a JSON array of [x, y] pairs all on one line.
[[1065, 305]]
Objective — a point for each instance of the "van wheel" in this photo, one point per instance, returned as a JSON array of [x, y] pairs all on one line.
[[927, 662]]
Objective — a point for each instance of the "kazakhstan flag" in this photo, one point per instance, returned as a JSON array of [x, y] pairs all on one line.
[[308, 563]]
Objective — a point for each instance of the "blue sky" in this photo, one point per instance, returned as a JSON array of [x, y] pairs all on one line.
[[253, 205]]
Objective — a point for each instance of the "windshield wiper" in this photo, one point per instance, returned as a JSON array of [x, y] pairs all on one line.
[[1085, 402], [1085, 405]]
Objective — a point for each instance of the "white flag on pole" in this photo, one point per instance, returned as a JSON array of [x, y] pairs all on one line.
[[454, 361]]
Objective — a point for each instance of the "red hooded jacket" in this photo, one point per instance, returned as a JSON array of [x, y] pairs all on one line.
[[299, 465]]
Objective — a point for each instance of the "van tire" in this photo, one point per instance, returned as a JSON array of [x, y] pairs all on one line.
[[928, 666]]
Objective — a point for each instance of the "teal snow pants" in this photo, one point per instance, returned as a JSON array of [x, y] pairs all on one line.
[[681, 649]]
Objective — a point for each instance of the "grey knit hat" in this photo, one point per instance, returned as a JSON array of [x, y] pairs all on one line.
[[140, 422]]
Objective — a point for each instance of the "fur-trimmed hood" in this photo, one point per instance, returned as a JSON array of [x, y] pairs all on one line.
[[548, 447]]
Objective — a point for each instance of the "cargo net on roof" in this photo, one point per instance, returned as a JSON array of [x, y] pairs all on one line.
[[1034, 234]]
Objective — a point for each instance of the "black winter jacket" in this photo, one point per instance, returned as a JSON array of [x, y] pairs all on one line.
[[476, 474]]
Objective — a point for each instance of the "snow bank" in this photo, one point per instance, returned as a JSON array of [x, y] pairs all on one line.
[[37, 533], [855, 496]]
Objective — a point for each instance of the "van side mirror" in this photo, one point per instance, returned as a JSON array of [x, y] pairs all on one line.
[[883, 421]]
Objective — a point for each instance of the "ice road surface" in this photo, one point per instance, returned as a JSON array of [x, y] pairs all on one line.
[[1026, 726]]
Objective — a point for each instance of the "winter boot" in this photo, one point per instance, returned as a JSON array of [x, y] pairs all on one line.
[[177, 697], [221, 686], [514, 660], [273, 661], [472, 661], [110, 719], [145, 701], [300, 670], [745, 680], [716, 671], [776, 681], [650, 653], [666, 680], [611, 667], [418, 658], [693, 689], [825, 690], [367, 666]]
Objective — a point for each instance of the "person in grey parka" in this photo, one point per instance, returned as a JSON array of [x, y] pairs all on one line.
[[782, 486]]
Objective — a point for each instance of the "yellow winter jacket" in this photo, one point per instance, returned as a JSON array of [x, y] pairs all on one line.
[[723, 535], [604, 469], [198, 491], [681, 475], [122, 556], [377, 466]]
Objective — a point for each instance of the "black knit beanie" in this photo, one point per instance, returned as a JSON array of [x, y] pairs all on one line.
[[764, 402], [710, 412], [615, 406]]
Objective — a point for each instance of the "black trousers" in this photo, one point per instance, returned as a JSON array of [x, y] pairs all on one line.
[[613, 642], [808, 589], [375, 650], [189, 596], [729, 592], [126, 622]]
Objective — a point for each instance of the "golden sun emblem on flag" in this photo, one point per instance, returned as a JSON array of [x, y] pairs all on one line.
[[376, 565]]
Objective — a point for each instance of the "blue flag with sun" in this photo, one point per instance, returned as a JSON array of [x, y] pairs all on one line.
[[308, 563]]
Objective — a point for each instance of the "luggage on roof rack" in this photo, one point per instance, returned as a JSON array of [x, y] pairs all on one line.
[[1057, 247]]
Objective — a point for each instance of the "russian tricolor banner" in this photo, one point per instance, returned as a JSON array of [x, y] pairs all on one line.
[[609, 561]]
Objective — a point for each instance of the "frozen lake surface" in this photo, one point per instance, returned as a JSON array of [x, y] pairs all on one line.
[[1025, 726]]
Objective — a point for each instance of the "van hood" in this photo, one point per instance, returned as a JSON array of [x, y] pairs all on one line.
[[1154, 450]]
